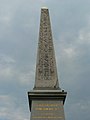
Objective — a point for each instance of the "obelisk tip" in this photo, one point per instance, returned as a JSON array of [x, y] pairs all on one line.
[[44, 8]]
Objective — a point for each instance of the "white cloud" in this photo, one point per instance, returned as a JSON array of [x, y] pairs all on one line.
[[5, 20], [27, 78], [8, 109], [9, 72], [6, 66], [6, 72], [84, 36], [69, 52], [82, 105], [4, 59]]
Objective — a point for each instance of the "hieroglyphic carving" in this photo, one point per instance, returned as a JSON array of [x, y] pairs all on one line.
[[46, 64]]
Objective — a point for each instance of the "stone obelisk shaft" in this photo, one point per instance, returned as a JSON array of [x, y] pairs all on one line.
[[46, 71], [46, 100]]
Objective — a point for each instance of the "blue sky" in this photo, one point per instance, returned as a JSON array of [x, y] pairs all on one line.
[[19, 28]]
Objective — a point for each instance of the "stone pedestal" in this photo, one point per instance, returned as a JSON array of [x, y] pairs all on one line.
[[47, 104]]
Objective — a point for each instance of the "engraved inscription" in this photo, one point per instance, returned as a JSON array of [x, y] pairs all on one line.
[[47, 109], [51, 117]]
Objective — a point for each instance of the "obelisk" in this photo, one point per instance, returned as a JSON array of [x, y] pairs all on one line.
[[46, 100]]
